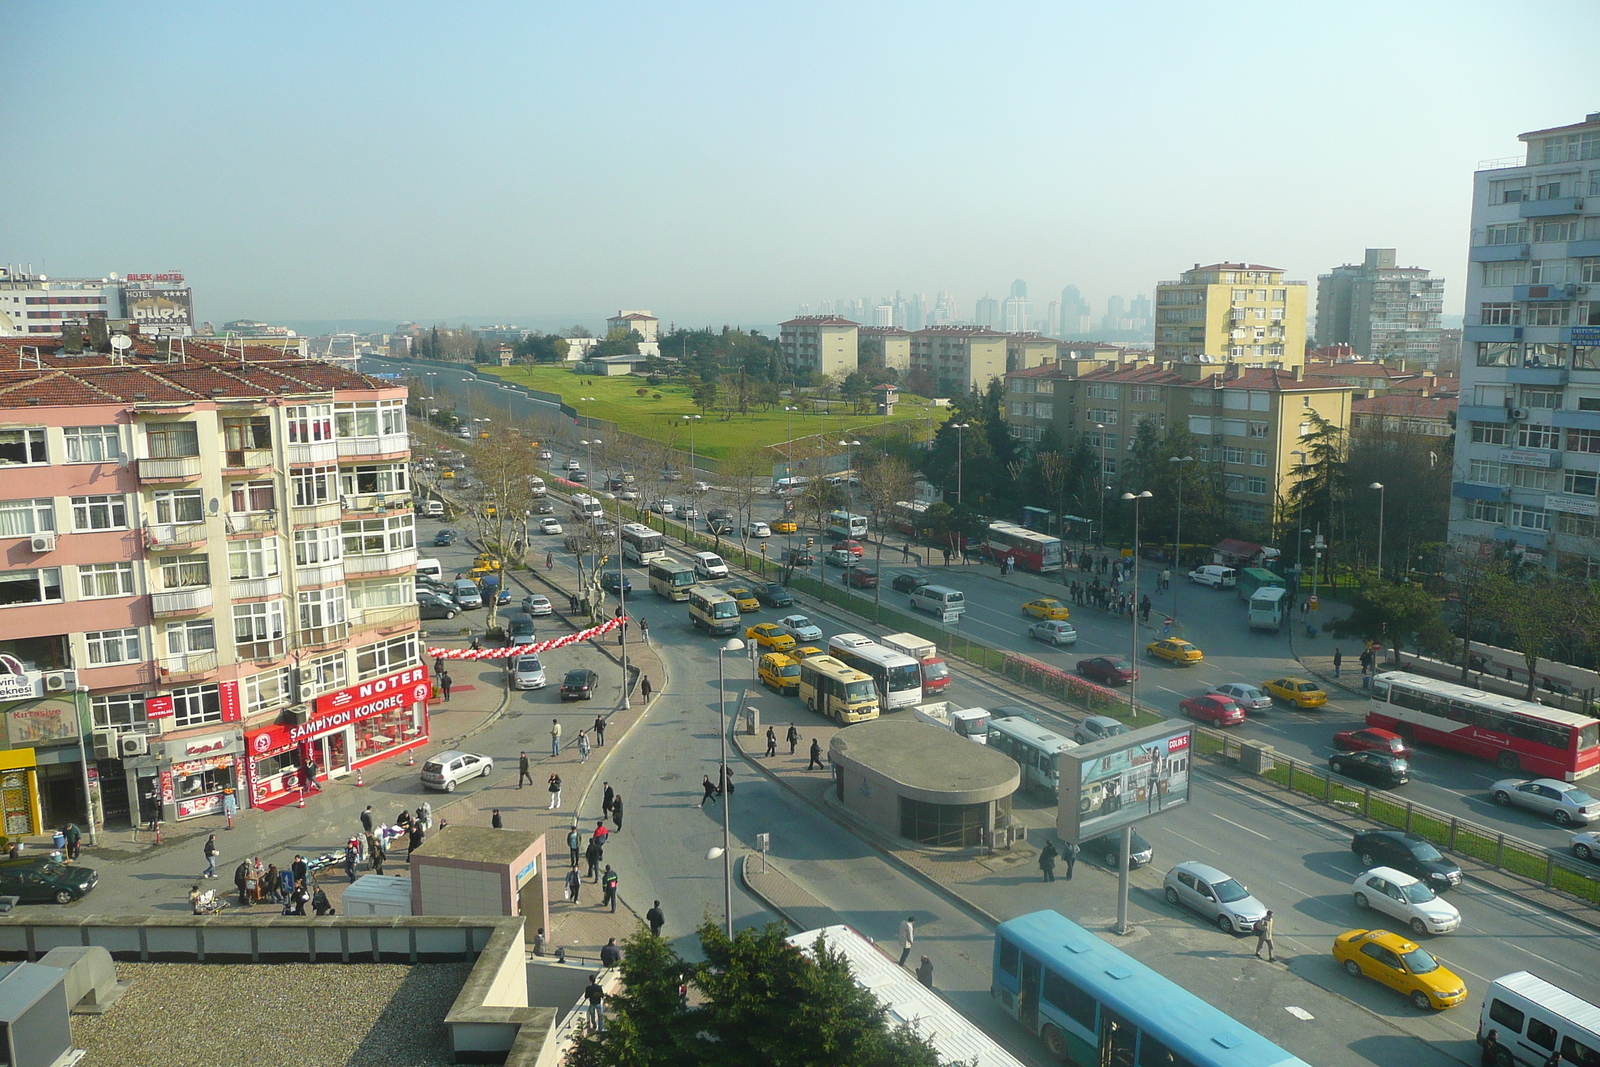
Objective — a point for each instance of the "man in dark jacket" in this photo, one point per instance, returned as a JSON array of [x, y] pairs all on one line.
[[592, 856], [655, 918]]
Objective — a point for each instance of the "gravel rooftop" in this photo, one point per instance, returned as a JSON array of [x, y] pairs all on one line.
[[309, 1015]]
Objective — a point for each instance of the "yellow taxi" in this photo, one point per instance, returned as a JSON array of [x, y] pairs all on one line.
[[1045, 608], [768, 635], [485, 563], [447, 473], [800, 652], [1300, 692], [1174, 650], [780, 673], [745, 599], [785, 526], [490, 511], [1409, 970]]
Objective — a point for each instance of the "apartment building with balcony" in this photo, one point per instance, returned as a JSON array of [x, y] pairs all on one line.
[[208, 578], [820, 344], [892, 342], [960, 359], [1527, 457], [1242, 313], [1381, 311]]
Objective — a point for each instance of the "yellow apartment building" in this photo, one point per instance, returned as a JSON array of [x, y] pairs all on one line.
[[1232, 313]]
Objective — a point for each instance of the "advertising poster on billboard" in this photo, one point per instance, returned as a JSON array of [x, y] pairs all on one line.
[[1112, 783], [161, 309]]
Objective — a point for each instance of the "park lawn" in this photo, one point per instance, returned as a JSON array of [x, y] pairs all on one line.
[[616, 399]]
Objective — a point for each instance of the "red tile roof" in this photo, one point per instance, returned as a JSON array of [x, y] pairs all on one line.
[[1137, 374], [1418, 407], [1266, 378], [818, 320], [1234, 266]]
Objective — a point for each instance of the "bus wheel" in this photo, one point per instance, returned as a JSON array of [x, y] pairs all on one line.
[[811, 703], [1507, 761], [1055, 1041]]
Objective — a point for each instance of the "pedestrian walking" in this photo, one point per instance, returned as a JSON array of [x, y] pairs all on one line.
[[555, 737], [574, 843], [772, 741], [710, 787], [1491, 1049], [366, 820], [574, 884], [908, 934], [816, 756], [1264, 936], [444, 685], [555, 791], [610, 953], [413, 839], [644, 689], [583, 746], [1338, 661], [599, 731], [496, 822], [1047, 861], [1070, 854], [522, 769], [438, 665], [597, 1004], [549, 560], [211, 852], [608, 886], [616, 813], [592, 857], [607, 800], [925, 972], [793, 737], [376, 854], [299, 871], [656, 919], [644, 631]]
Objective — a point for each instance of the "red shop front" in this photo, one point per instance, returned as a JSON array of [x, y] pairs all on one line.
[[348, 728]]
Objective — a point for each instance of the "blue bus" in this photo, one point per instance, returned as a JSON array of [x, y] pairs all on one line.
[[1096, 1006]]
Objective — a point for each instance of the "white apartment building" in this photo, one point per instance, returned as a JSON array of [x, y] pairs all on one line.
[[821, 344], [38, 305], [1527, 458]]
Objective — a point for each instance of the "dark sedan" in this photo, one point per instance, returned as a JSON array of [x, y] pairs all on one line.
[[610, 579], [1406, 852], [444, 538], [1108, 850], [579, 684], [1378, 768], [44, 881], [774, 595], [1108, 670], [861, 577], [798, 557], [908, 583]]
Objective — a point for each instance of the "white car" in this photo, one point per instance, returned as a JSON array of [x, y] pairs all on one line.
[[449, 769], [545, 453], [1403, 897], [537, 604], [800, 628], [527, 672], [700, 487], [574, 465], [757, 529], [664, 507], [1562, 801], [1586, 846], [548, 525]]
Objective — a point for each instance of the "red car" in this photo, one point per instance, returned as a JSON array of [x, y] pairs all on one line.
[[855, 548], [1371, 739], [861, 577], [1108, 670], [1213, 708]]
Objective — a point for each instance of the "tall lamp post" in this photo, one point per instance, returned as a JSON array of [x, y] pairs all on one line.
[[1177, 539], [691, 420], [732, 644], [849, 463], [1133, 712], [1379, 487], [1100, 479], [959, 426], [622, 603], [589, 444]]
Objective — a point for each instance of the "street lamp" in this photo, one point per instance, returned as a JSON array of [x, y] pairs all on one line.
[[1133, 712], [691, 420], [849, 464], [1100, 480], [622, 603], [1177, 546], [1379, 487], [732, 644], [959, 426], [587, 443]]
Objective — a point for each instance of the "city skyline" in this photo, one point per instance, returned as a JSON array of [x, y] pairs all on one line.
[[485, 188]]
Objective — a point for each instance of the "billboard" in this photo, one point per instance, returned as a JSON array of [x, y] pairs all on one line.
[[1112, 783], [159, 308]]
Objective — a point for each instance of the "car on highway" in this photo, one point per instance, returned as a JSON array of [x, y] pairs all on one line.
[[542, 507], [1249, 697], [527, 672], [432, 605], [800, 652], [546, 454], [860, 577], [700, 487], [905, 582], [1094, 728], [444, 538], [464, 591], [770, 635], [1053, 631], [797, 557], [688, 512], [671, 474], [581, 477], [610, 581], [579, 684], [449, 769], [1213, 708], [1371, 739], [1401, 896], [1301, 692], [839, 557], [1377, 768], [1405, 852], [774, 595], [855, 548], [537, 604], [785, 526], [1409, 970], [1046, 608], [664, 507], [1108, 850], [573, 465], [1108, 670], [549, 525], [1217, 896], [43, 880], [756, 528], [1562, 801], [800, 628], [744, 598], [1585, 845], [1174, 650]]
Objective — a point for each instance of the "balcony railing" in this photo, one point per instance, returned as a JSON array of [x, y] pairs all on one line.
[[381, 563], [175, 469], [180, 601], [248, 459], [323, 636], [251, 588], [384, 445], [185, 665], [266, 649], [315, 452], [390, 615], [175, 535], [377, 502], [254, 522], [322, 574], [318, 515]]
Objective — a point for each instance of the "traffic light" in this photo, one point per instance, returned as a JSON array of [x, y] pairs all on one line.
[[810, 542]]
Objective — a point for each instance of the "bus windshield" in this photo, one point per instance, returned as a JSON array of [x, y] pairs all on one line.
[[682, 579], [933, 672], [1589, 736], [725, 609], [859, 691], [906, 677]]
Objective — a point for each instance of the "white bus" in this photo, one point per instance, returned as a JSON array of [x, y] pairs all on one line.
[[845, 524], [1035, 749], [713, 610], [642, 545], [896, 675], [1532, 1019], [671, 578]]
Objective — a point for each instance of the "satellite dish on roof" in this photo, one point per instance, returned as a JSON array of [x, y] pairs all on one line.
[[121, 342], [113, 275]]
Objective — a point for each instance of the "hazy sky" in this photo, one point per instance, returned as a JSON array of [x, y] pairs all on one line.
[[727, 162]]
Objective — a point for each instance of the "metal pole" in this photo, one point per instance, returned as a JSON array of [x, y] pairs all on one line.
[[1100, 480], [1177, 548], [78, 696], [1122, 879], [727, 797], [622, 606]]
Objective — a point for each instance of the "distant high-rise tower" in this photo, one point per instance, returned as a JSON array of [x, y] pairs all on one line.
[[1075, 312], [987, 312], [1019, 288], [1052, 319], [944, 309], [1380, 310], [1016, 311]]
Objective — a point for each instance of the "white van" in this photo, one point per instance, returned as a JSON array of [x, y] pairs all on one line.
[[1216, 577], [708, 565], [1534, 1018], [587, 507], [536, 486], [939, 599], [430, 568], [433, 509]]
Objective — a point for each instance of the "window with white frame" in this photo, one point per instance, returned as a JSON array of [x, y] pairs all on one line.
[[1541, 478], [1583, 441], [1579, 483], [385, 657], [1258, 457], [179, 506], [322, 607], [110, 647], [255, 558], [1577, 526], [253, 496], [97, 580], [1233, 455], [1547, 399], [23, 518], [322, 544], [313, 485], [1257, 430], [1549, 314], [370, 537], [1538, 437], [1499, 315], [326, 672], [370, 418], [36, 586], [267, 691], [309, 423], [1104, 416], [1529, 517], [122, 711], [1506, 272], [1256, 485], [1507, 233], [1488, 472], [100, 512], [1547, 231], [1108, 466], [172, 440], [1589, 269], [1486, 511], [1509, 190], [382, 593], [195, 706], [190, 636], [1548, 272], [93, 444], [22, 446], [185, 572], [258, 622]]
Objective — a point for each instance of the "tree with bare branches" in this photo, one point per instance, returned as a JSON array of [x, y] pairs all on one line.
[[884, 483], [503, 464]]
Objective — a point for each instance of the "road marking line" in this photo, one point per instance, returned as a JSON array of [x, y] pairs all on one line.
[[1546, 959], [1195, 843], [1246, 829]]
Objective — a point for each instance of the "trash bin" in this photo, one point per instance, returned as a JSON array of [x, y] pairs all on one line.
[[59, 840], [752, 716]]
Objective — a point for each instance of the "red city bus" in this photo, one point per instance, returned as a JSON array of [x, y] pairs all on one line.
[[1032, 550], [1518, 735]]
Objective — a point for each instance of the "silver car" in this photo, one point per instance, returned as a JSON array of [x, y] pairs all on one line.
[[1055, 631], [1215, 895], [1562, 801], [449, 769], [527, 672], [1249, 697]]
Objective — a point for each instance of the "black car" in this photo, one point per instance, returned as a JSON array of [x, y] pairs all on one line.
[[45, 881], [799, 557], [610, 579], [579, 684], [1406, 852], [1108, 850], [431, 605], [908, 583], [444, 538], [774, 595], [1379, 768], [1108, 670]]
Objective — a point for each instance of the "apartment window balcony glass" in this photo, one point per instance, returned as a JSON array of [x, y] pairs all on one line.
[[177, 602], [175, 535], [324, 636], [252, 588], [391, 615], [257, 523], [187, 664], [171, 469], [320, 574], [318, 515], [383, 445], [380, 563]]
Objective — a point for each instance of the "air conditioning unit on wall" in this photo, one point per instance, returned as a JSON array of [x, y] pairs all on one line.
[[133, 745], [60, 681], [107, 744], [43, 542]]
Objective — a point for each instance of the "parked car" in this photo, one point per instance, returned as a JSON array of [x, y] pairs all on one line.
[[1564, 802], [550, 525], [1378, 768], [579, 684], [800, 628], [449, 769], [1401, 896], [744, 598], [1213, 708], [1391, 960], [1095, 728], [774, 595], [1108, 850], [536, 604], [466, 595], [906, 582], [611, 581], [1405, 852], [42, 880], [771, 636], [1249, 697], [1174, 650], [1371, 739], [1108, 670], [860, 577], [1215, 895], [432, 605], [1046, 608], [1053, 631], [444, 538], [527, 672]]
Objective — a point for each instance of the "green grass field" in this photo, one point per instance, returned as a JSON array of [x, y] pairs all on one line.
[[616, 399]]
